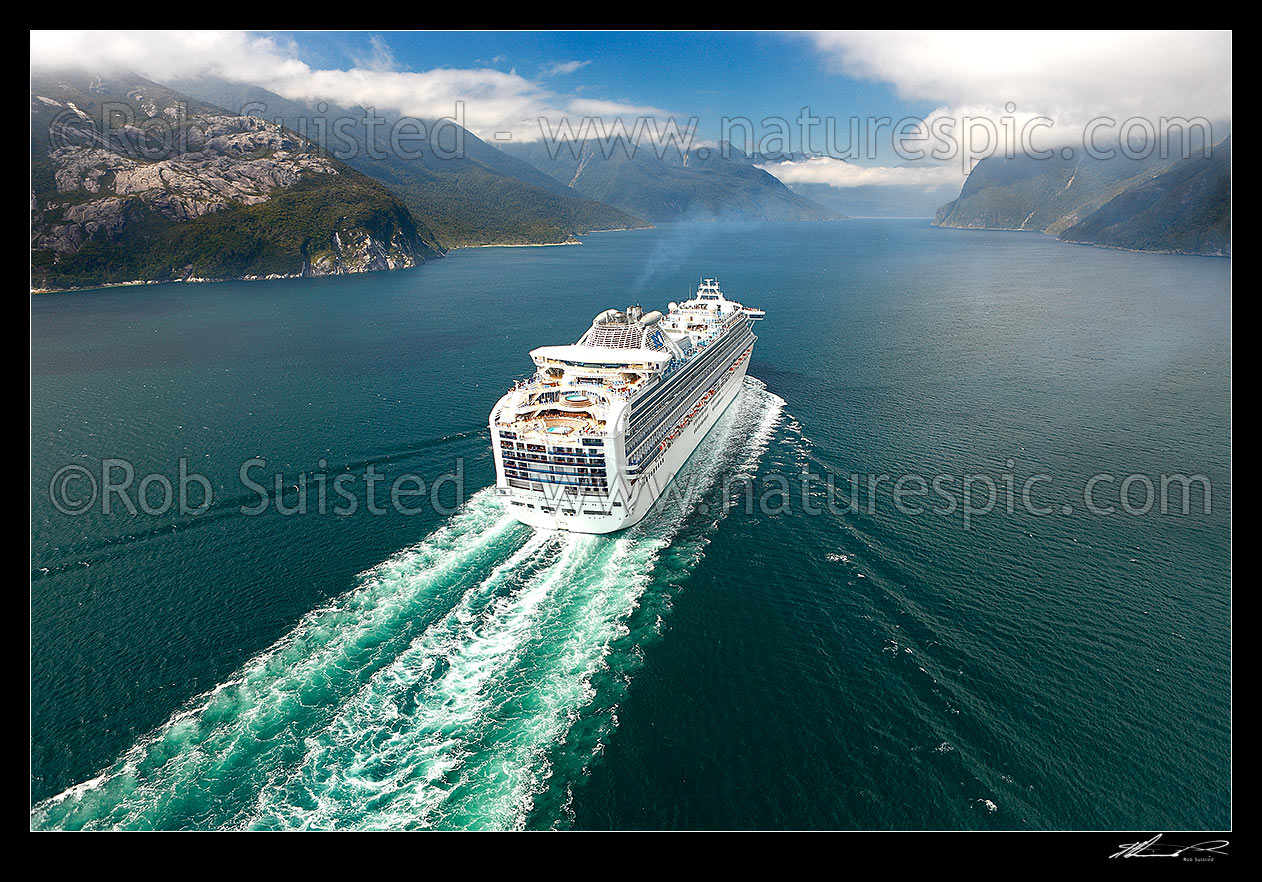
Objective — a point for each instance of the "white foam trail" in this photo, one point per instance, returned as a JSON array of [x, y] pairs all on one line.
[[473, 750], [328, 649], [473, 643], [434, 694]]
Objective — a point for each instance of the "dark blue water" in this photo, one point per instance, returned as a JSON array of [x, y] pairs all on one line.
[[751, 656]]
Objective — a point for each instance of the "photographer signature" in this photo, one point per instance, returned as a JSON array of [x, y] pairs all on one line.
[[1152, 849]]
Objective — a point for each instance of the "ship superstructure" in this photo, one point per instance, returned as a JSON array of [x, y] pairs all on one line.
[[589, 442]]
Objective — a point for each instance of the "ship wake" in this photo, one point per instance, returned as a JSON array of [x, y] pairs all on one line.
[[466, 682]]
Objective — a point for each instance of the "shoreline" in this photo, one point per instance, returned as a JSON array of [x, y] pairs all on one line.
[[515, 245], [1091, 244], [275, 276], [573, 240], [190, 281]]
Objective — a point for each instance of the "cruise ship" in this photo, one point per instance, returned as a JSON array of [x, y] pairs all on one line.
[[593, 438]]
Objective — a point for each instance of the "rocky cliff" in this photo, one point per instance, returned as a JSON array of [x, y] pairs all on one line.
[[134, 182]]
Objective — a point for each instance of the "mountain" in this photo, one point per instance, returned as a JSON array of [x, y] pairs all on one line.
[[132, 181], [700, 184], [1186, 209], [1149, 204], [463, 189]]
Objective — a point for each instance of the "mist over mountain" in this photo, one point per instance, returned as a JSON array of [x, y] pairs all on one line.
[[870, 200]]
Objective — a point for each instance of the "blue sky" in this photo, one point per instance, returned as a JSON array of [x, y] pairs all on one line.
[[982, 92], [707, 74]]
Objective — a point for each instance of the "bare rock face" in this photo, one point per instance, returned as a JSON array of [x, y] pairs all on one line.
[[225, 161], [358, 251], [116, 161]]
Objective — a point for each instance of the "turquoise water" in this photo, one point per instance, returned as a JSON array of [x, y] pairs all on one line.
[[746, 657]]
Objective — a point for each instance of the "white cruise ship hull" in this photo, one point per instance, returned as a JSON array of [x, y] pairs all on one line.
[[637, 500]]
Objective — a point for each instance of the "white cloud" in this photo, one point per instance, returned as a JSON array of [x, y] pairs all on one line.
[[845, 175], [563, 67], [593, 107], [381, 56], [1013, 92], [493, 101], [1074, 74]]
